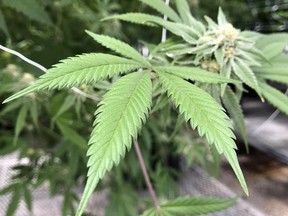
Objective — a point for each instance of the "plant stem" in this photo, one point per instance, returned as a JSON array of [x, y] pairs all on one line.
[[146, 176]]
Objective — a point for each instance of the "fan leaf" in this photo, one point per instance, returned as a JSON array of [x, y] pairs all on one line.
[[195, 73], [119, 47], [118, 119], [190, 206], [234, 109], [244, 72], [74, 71], [275, 97], [163, 8], [179, 29], [206, 115], [196, 205], [138, 18]]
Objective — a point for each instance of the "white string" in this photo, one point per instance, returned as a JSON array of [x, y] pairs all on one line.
[[29, 61], [271, 118], [164, 30], [23, 58], [268, 120]]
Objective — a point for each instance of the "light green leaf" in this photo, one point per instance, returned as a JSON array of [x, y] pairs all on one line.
[[196, 205], [221, 18], [72, 135], [219, 55], [275, 97], [280, 78], [74, 71], [30, 8], [20, 122], [249, 58], [206, 115], [225, 72], [195, 73], [244, 72], [185, 14], [118, 119], [137, 18], [69, 102], [190, 206], [234, 109], [263, 42], [211, 23], [277, 69], [119, 47], [184, 11], [150, 212], [187, 33], [161, 7], [274, 49]]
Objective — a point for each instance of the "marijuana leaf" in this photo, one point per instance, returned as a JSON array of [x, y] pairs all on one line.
[[188, 34], [195, 73], [245, 74], [119, 47], [206, 115], [74, 71], [191, 206], [275, 97], [118, 119], [163, 8], [234, 109]]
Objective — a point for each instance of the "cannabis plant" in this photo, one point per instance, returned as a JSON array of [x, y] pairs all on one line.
[[199, 68]]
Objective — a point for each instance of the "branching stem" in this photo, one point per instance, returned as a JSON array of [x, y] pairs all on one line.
[[146, 176]]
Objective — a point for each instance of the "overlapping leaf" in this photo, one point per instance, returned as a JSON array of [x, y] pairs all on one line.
[[245, 73], [184, 11], [119, 47], [187, 33], [74, 71], [118, 119], [189, 206], [195, 73], [206, 115], [234, 109], [275, 97], [163, 8]]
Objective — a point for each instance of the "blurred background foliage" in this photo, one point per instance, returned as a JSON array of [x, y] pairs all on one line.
[[52, 131]]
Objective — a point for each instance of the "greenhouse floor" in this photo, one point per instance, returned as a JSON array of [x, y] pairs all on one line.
[[265, 194], [267, 180], [266, 176]]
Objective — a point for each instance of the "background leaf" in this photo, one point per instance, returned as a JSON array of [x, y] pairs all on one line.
[[33, 9]]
